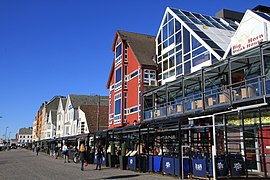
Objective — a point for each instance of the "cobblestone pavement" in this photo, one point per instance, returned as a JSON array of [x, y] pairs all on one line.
[[22, 164]]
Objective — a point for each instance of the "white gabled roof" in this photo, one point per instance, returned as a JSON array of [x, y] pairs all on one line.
[[253, 29]]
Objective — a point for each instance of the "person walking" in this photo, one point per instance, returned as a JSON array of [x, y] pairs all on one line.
[[37, 150], [56, 149], [99, 157], [82, 154], [65, 153]]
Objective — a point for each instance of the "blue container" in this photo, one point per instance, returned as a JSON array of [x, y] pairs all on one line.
[[210, 168], [176, 167], [132, 163], [186, 167], [199, 167], [222, 167], [150, 163], [157, 163], [168, 165]]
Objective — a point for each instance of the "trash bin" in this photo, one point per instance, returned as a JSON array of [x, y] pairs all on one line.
[[237, 166], [199, 167], [157, 163], [168, 165], [132, 163], [150, 163], [222, 166], [186, 168]]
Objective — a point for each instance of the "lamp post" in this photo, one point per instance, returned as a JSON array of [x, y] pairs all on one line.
[[6, 134]]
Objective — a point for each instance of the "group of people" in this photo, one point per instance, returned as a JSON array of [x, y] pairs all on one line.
[[83, 156], [82, 153]]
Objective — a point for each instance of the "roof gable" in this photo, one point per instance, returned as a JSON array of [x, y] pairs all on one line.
[[78, 100], [251, 31], [142, 45]]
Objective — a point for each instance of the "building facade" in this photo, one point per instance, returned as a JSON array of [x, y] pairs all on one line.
[[133, 70], [74, 124], [220, 110], [25, 136], [60, 117]]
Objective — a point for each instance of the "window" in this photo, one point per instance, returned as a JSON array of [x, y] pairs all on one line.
[[187, 67], [149, 77], [118, 75], [179, 70], [195, 43], [117, 104], [178, 58], [134, 109], [118, 79], [67, 130], [117, 107], [134, 74], [165, 65], [186, 44], [200, 59], [118, 50], [82, 127]]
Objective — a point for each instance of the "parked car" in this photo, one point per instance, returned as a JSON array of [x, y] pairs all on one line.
[[13, 146]]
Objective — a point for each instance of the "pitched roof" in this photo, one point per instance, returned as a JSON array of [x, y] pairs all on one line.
[[54, 116], [26, 130], [78, 100], [53, 104], [143, 46], [64, 102], [91, 116]]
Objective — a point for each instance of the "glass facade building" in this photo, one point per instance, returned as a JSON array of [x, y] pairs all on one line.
[[188, 41]]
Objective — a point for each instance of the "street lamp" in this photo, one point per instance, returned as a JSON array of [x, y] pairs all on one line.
[[6, 133]]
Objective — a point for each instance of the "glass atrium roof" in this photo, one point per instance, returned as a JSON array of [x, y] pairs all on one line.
[[214, 31]]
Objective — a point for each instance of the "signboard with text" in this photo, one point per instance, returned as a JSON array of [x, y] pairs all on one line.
[[249, 34]]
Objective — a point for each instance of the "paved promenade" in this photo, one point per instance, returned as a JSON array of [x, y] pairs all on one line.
[[22, 164]]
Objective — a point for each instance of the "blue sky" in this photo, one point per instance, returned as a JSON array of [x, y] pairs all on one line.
[[61, 47]]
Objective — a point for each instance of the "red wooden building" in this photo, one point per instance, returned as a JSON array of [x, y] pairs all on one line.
[[133, 70]]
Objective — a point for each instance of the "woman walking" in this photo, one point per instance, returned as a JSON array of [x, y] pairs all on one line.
[[82, 152], [99, 157]]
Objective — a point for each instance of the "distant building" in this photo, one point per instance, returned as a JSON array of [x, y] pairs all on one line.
[[230, 15], [25, 135], [73, 123], [49, 129]]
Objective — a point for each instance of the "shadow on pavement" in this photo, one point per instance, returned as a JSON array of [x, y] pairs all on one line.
[[122, 176]]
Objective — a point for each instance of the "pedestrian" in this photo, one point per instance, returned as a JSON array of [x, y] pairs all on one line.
[[82, 153], [65, 153], [99, 157], [56, 152], [37, 150]]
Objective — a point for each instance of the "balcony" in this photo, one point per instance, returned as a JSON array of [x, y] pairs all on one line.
[[239, 81]]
